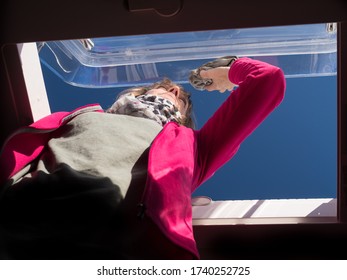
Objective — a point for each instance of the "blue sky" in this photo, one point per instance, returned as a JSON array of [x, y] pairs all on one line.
[[293, 154]]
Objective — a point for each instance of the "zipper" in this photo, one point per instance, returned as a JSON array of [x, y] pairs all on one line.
[[141, 210]]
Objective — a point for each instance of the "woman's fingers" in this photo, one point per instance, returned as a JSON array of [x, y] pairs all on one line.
[[220, 79]]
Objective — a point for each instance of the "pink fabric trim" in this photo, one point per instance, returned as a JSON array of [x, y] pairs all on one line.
[[168, 189], [26, 144]]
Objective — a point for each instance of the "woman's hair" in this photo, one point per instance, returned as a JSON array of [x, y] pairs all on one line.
[[187, 119]]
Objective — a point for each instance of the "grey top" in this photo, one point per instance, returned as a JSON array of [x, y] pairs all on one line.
[[78, 199], [101, 145]]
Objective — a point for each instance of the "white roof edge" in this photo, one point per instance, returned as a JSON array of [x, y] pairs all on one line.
[[259, 211], [34, 80]]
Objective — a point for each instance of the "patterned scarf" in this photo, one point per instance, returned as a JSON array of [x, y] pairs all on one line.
[[146, 106]]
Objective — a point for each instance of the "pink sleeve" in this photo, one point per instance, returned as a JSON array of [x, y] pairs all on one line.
[[260, 90]]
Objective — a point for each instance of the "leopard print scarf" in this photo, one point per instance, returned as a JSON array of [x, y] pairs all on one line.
[[147, 106]]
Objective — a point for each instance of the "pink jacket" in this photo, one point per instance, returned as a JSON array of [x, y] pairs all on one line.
[[193, 156]]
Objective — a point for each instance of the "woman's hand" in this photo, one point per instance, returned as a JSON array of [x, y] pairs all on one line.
[[219, 77]]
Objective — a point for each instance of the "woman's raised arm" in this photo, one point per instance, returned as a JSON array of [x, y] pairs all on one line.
[[260, 90]]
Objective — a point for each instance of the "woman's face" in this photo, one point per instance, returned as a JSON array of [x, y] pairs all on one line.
[[172, 94]]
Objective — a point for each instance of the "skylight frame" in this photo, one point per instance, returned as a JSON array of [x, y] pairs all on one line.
[[23, 22]]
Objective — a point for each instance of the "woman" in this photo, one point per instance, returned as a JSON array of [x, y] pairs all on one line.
[[118, 185]]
